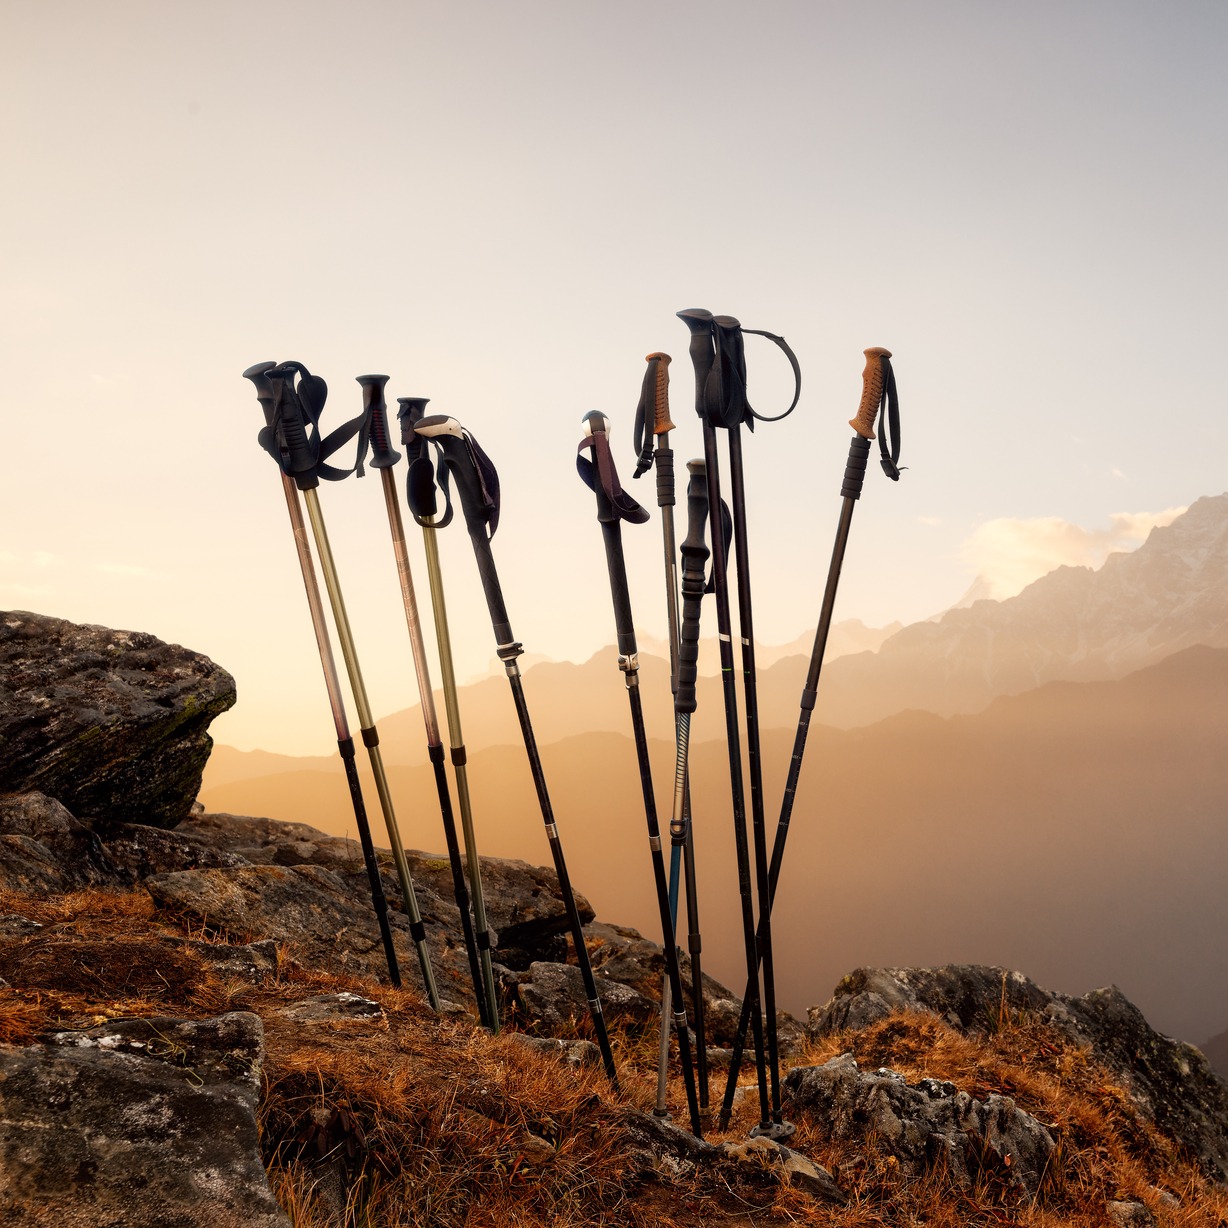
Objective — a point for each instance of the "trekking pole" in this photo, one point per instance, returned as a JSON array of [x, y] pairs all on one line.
[[707, 376], [295, 417], [652, 421], [613, 506], [878, 387], [383, 457], [477, 485], [345, 741], [421, 499]]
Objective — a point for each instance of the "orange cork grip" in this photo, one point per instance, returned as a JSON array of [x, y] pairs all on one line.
[[660, 415], [871, 392]]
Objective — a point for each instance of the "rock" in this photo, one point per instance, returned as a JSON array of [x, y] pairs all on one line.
[[622, 954], [1171, 1082], [110, 723], [791, 1166], [140, 851], [332, 1008], [668, 1153], [575, 1054], [14, 926], [325, 918], [44, 849], [926, 1123], [552, 997], [1216, 1050], [148, 1123], [1130, 1214]]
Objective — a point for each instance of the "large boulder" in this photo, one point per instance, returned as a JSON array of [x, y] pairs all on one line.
[[1171, 1082], [926, 1124], [148, 1123], [110, 723]]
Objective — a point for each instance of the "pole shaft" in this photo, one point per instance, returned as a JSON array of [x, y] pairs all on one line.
[[733, 741], [345, 742], [456, 741], [754, 763], [370, 739], [426, 701], [803, 728]]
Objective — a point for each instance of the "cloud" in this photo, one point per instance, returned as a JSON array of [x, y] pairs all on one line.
[[930, 522], [27, 590], [1008, 554]]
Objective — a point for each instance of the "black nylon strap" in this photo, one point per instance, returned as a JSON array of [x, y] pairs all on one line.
[[306, 402], [889, 424], [726, 403], [602, 469]]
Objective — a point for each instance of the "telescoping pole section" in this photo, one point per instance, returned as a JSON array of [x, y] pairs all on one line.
[[477, 485]]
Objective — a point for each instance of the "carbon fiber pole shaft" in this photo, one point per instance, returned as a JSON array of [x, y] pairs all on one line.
[[737, 791], [370, 738], [755, 769]]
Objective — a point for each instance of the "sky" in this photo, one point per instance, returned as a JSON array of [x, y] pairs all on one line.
[[502, 206]]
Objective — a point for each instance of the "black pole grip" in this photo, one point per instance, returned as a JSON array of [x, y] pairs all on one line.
[[702, 352], [299, 458], [694, 564], [410, 411], [383, 454], [258, 374], [855, 467]]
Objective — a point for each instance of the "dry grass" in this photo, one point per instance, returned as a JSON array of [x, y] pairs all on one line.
[[406, 1119]]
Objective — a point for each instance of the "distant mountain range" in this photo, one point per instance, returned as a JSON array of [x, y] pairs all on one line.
[[1053, 801], [1074, 624]]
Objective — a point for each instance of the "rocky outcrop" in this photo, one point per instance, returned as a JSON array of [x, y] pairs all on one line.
[[927, 1124], [1172, 1082], [1216, 1050], [148, 1123], [110, 723]]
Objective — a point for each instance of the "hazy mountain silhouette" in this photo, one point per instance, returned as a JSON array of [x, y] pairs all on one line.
[[567, 699], [1076, 831], [1074, 623]]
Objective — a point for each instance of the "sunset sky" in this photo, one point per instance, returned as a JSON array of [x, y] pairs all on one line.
[[503, 205]]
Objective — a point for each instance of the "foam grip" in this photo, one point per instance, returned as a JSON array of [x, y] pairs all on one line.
[[694, 563], [664, 461], [420, 488], [855, 467], [383, 454], [871, 391]]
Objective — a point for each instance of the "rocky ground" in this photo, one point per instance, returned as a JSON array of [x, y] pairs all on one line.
[[196, 1027]]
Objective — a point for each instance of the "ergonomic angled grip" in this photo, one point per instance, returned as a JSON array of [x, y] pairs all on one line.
[[383, 454], [702, 353], [658, 373], [694, 563], [420, 479], [258, 374], [871, 391], [300, 458], [412, 410]]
